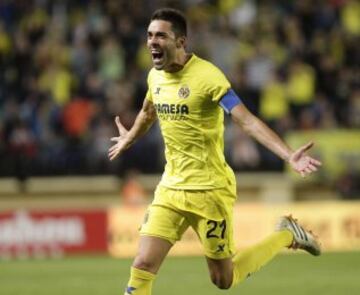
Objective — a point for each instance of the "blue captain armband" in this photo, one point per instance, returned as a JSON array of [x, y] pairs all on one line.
[[229, 101]]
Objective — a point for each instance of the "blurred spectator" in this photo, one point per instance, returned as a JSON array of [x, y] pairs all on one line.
[[258, 70], [22, 150], [56, 81], [5, 42], [274, 103], [132, 192], [77, 116], [243, 152], [300, 87], [111, 60], [241, 13], [99, 144], [354, 109], [350, 17]]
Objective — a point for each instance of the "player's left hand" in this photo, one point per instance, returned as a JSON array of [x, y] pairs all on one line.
[[302, 163]]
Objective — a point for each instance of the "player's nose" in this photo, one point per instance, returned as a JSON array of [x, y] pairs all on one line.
[[153, 44], [152, 41]]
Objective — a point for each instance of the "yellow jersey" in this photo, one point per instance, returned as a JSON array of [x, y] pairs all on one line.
[[192, 125]]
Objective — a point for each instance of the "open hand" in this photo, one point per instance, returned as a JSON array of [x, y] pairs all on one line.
[[122, 142], [303, 163]]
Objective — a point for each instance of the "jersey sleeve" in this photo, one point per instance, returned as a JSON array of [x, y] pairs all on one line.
[[217, 84], [148, 95], [149, 91]]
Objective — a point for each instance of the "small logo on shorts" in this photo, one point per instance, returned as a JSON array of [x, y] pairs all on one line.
[[184, 91], [220, 248]]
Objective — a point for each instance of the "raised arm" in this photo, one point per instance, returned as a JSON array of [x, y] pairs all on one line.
[[126, 138], [299, 160]]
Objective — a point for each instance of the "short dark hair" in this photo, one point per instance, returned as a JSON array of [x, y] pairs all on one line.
[[173, 16]]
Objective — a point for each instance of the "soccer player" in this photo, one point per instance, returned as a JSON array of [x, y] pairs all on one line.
[[189, 97]]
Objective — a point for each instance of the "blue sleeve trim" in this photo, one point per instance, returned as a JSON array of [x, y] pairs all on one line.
[[229, 101]]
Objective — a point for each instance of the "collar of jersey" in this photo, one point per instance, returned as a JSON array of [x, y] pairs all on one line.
[[191, 59]]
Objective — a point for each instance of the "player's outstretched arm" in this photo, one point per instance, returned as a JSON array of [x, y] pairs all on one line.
[[126, 138], [299, 160]]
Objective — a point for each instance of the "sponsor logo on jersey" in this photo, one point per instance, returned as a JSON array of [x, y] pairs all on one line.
[[164, 108], [172, 111]]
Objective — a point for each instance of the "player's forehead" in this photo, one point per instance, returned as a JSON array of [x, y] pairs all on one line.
[[160, 26]]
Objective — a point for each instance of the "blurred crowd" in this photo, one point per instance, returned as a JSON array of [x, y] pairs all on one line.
[[68, 67]]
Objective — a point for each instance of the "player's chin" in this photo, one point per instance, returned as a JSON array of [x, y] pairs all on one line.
[[159, 64], [158, 67]]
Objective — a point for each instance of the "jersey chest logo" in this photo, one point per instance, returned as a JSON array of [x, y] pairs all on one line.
[[184, 91]]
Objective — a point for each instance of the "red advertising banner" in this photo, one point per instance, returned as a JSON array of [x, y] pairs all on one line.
[[52, 233]]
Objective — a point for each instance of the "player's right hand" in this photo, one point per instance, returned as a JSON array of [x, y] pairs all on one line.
[[122, 142]]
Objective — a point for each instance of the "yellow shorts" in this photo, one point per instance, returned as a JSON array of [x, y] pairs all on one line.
[[208, 212]]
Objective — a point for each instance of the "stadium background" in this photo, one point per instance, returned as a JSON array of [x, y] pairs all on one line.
[[68, 67]]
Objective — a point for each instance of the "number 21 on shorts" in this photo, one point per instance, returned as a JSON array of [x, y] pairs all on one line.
[[216, 229]]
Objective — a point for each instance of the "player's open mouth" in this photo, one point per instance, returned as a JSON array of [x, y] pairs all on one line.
[[157, 56]]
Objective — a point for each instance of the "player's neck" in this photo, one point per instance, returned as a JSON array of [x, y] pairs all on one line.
[[182, 57]]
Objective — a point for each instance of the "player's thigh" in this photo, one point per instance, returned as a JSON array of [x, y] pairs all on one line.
[[161, 228], [151, 253], [164, 222], [216, 236]]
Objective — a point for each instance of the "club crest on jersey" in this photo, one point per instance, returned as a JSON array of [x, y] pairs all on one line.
[[184, 91]]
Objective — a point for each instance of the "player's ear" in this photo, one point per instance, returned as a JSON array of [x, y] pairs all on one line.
[[181, 42]]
